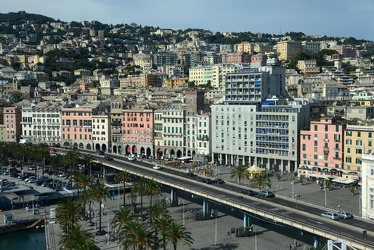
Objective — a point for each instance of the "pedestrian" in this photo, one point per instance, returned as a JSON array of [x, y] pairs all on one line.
[[27, 208]]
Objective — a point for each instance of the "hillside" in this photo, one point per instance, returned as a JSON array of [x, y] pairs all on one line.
[[21, 16]]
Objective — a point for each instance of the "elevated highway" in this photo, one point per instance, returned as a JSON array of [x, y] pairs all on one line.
[[306, 217]]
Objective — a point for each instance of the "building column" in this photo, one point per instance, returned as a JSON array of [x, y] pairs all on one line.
[[173, 197]]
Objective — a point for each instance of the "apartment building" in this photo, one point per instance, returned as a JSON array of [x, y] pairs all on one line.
[[116, 106], [367, 187], [101, 133], [77, 125], [246, 47], [144, 61], [12, 123], [41, 123], [287, 49], [137, 131], [358, 141], [158, 133], [165, 58], [266, 135], [314, 47], [263, 48], [308, 67], [173, 122], [200, 75], [322, 146]]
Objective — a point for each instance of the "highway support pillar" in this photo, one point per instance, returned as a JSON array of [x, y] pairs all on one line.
[[206, 208], [315, 241], [173, 198], [247, 221]]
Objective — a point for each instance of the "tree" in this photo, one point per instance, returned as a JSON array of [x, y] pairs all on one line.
[[161, 225], [100, 193], [40, 152], [156, 211], [153, 188], [136, 235], [71, 159], [132, 196], [301, 179], [141, 187], [261, 180], [121, 218], [69, 212], [81, 180], [177, 233], [123, 176], [88, 161], [77, 239], [278, 177], [239, 172]]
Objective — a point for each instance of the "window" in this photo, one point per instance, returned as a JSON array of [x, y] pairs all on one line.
[[304, 147], [315, 128], [358, 134], [348, 133]]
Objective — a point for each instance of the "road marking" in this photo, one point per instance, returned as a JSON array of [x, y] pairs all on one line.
[[315, 221]]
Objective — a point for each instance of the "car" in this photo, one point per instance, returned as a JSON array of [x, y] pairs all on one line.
[[157, 167], [39, 182], [61, 175], [108, 158], [99, 152], [249, 192], [330, 215], [12, 183], [131, 158], [191, 174], [219, 181], [207, 181], [344, 214], [266, 193]]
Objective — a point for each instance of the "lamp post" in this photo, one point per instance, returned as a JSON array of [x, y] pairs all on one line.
[[324, 187], [216, 225]]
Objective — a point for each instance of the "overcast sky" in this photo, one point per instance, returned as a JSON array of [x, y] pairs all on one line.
[[339, 18]]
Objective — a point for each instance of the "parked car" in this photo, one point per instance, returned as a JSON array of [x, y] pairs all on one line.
[[207, 181], [191, 174], [344, 214], [61, 175], [157, 167], [249, 192], [219, 181], [266, 193], [330, 215], [131, 158]]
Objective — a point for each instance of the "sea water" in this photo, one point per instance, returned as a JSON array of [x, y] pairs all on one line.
[[32, 239]]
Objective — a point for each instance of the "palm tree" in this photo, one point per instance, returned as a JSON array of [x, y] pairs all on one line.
[[123, 176], [177, 233], [69, 212], [88, 161], [156, 211], [71, 159], [100, 193], [136, 234], [141, 187], [57, 162], [261, 180], [161, 226], [121, 218], [40, 152], [153, 188], [132, 196], [77, 239], [239, 172], [81, 180]]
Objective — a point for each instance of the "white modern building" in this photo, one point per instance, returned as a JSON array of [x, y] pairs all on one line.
[[101, 131], [367, 187]]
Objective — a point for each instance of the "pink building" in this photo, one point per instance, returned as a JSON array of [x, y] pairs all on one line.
[[259, 59], [77, 127], [137, 133], [237, 58], [321, 147], [12, 124]]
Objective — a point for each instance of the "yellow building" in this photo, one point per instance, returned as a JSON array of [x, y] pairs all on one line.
[[175, 83], [263, 48], [245, 47], [287, 49], [308, 67], [358, 140]]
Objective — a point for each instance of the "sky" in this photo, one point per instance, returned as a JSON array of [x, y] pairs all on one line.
[[337, 18]]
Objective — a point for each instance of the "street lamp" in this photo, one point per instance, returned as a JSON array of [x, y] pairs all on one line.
[[324, 187]]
